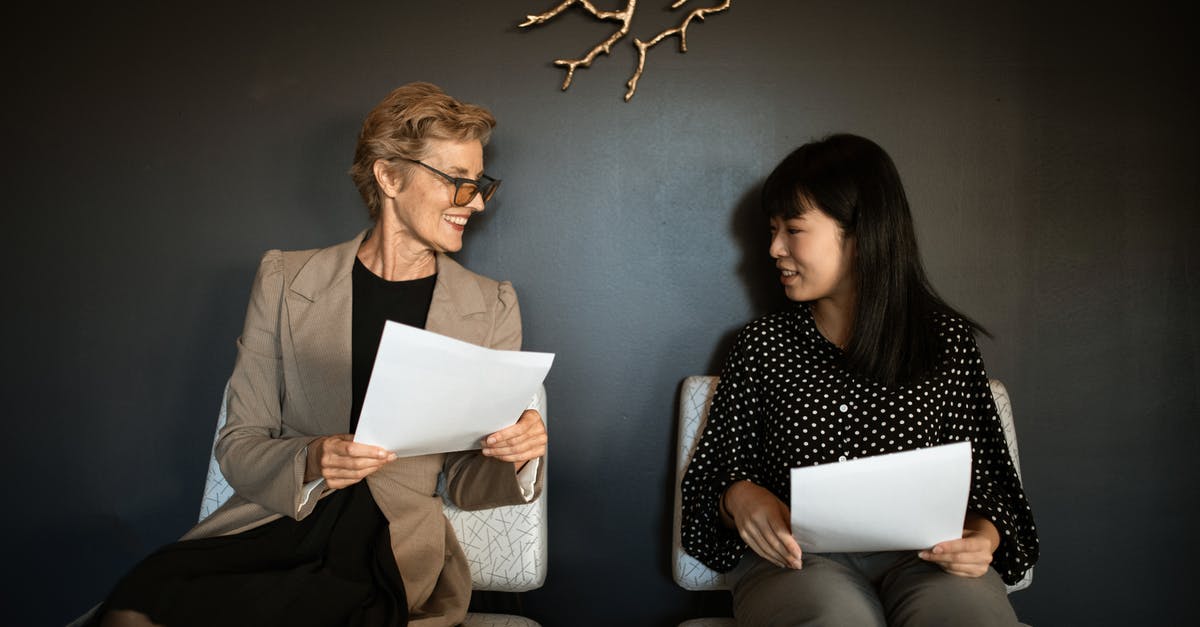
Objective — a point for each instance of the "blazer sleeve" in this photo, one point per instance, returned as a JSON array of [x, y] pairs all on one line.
[[257, 462], [472, 480]]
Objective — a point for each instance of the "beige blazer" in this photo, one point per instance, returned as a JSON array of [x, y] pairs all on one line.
[[291, 384]]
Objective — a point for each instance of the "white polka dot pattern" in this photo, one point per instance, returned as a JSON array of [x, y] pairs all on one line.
[[784, 400]]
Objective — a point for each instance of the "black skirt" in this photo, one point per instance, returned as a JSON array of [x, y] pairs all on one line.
[[335, 567]]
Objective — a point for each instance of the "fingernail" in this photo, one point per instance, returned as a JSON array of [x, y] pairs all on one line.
[[923, 555]]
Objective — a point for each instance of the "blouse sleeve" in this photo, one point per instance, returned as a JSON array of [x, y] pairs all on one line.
[[996, 491], [726, 453]]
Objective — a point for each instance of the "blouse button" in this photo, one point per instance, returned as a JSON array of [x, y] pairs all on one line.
[[842, 458], [844, 408]]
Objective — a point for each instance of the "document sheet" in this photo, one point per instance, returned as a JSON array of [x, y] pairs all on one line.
[[899, 501], [433, 394]]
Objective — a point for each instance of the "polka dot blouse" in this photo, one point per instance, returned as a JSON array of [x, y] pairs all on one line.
[[784, 401]]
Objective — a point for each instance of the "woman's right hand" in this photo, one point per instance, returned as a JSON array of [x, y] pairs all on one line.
[[762, 521], [343, 462]]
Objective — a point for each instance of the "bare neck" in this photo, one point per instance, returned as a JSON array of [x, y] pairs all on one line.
[[834, 319], [394, 255]]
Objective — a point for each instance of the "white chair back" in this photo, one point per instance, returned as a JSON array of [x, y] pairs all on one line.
[[506, 546]]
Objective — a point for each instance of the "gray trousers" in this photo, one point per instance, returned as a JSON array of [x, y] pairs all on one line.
[[894, 588]]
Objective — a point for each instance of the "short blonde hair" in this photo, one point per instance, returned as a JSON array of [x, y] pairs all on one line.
[[401, 126]]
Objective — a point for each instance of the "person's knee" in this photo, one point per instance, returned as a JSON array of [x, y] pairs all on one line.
[[846, 612], [126, 618], [825, 595], [953, 600]]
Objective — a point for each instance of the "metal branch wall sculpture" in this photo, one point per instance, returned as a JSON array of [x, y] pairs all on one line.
[[625, 18]]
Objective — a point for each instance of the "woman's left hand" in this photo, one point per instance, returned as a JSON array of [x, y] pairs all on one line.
[[519, 443], [971, 555]]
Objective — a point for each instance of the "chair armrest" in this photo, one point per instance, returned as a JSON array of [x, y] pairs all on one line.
[[695, 397], [506, 547]]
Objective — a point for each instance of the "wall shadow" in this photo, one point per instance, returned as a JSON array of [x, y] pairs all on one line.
[[756, 273], [755, 268]]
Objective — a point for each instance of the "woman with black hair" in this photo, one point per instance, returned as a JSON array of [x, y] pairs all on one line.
[[868, 360]]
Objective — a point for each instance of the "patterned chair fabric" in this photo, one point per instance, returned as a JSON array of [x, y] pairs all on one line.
[[497, 620], [694, 400], [506, 546], [216, 489]]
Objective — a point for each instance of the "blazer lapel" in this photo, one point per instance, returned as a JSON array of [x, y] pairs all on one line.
[[320, 314], [319, 302], [457, 309]]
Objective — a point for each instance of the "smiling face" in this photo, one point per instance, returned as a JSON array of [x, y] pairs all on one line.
[[421, 210], [814, 259]]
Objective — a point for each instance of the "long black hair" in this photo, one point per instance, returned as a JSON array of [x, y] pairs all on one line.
[[851, 179]]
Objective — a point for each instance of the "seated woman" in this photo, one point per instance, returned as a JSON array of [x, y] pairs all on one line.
[[868, 360], [322, 530]]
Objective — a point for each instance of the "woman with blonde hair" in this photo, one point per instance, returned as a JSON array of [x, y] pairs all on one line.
[[322, 530]]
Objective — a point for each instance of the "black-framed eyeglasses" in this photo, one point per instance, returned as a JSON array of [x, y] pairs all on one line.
[[465, 189]]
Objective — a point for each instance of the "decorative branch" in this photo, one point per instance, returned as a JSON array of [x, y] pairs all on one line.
[[681, 30], [625, 17]]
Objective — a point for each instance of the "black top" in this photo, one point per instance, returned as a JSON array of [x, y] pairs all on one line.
[[784, 400], [375, 302]]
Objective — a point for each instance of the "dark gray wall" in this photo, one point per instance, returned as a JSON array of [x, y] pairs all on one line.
[[152, 153]]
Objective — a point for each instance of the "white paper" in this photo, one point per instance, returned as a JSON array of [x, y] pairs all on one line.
[[433, 394], [899, 501]]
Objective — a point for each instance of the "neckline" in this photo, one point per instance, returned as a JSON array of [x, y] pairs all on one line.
[[361, 269], [816, 329]]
